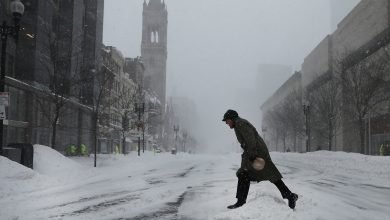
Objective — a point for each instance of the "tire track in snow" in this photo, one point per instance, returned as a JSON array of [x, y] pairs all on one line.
[[185, 173], [100, 206], [171, 209], [169, 212], [88, 199]]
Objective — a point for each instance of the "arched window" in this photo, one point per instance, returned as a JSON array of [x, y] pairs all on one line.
[[152, 37], [157, 37]]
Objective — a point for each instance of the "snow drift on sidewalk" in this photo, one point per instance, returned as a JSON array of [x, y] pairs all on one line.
[[16, 178], [50, 169], [52, 163]]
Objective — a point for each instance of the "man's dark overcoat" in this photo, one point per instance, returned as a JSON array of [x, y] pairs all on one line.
[[254, 146]]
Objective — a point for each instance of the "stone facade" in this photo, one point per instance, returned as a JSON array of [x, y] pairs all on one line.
[[362, 34], [119, 103], [136, 69], [292, 84], [154, 47], [317, 63], [269, 78], [360, 30], [338, 10], [361, 25], [154, 55]]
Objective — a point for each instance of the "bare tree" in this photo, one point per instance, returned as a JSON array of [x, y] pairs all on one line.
[[103, 80], [326, 109], [293, 116], [364, 87], [285, 120], [276, 120], [124, 102], [273, 125]]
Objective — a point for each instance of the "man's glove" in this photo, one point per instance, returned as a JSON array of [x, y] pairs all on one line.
[[243, 174], [252, 158]]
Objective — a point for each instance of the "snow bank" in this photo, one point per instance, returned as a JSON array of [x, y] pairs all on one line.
[[371, 169], [18, 179], [50, 169], [51, 163]]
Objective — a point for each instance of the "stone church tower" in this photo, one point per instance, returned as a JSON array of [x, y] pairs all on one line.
[[154, 47]]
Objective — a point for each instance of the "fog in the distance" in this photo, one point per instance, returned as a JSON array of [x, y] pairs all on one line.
[[215, 48]]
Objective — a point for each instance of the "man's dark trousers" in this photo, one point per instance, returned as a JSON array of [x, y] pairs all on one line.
[[244, 184]]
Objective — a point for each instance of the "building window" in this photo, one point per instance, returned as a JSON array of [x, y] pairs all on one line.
[[10, 68], [17, 107]]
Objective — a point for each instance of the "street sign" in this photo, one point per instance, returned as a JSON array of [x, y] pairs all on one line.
[[4, 98], [2, 112]]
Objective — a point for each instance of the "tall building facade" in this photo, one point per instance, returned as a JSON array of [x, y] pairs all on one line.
[[338, 10], [154, 47], [282, 121], [62, 37], [269, 78], [91, 45], [357, 51]]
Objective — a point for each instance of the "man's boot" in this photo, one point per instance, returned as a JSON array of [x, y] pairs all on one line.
[[236, 205], [286, 193], [292, 198], [242, 194]]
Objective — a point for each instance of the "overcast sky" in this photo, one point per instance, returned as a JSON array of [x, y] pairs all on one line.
[[215, 47]]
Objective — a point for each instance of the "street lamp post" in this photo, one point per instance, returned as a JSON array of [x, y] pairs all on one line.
[[176, 129], [185, 135], [332, 132], [368, 133], [140, 107], [306, 112], [17, 9]]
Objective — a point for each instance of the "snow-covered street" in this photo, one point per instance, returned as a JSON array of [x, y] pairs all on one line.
[[330, 185]]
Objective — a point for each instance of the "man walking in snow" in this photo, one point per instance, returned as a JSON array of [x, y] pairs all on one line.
[[256, 163]]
